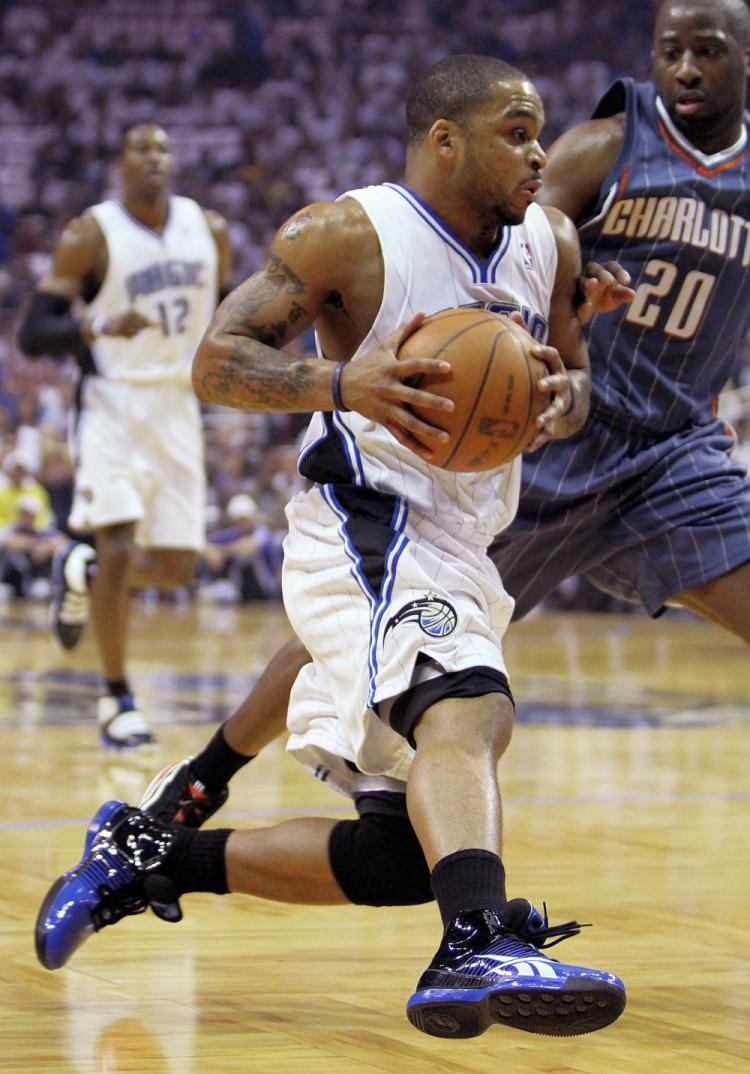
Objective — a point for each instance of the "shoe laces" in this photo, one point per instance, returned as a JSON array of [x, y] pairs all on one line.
[[533, 933]]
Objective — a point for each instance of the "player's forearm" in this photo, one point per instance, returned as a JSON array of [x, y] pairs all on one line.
[[49, 328], [240, 372]]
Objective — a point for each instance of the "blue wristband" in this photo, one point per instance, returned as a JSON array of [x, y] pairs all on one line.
[[338, 403]]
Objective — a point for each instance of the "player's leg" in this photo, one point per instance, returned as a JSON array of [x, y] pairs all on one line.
[[724, 600], [453, 794], [121, 724], [162, 568], [192, 790]]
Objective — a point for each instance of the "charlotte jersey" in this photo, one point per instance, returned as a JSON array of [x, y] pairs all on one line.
[[427, 268], [679, 222], [171, 278]]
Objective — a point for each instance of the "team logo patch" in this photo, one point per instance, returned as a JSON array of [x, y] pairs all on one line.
[[435, 616]]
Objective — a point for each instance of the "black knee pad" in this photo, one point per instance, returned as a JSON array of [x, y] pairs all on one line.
[[377, 859]]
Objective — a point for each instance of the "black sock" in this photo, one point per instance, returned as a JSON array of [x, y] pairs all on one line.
[[215, 765], [468, 880], [118, 688], [196, 860]]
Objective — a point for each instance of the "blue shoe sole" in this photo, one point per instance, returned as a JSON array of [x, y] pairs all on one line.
[[580, 1006]]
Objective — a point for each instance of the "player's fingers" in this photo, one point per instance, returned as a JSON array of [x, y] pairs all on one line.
[[550, 356], [422, 431], [410, 396], [412, 367]]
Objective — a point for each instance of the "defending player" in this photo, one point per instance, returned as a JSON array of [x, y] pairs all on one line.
[[646, 501]]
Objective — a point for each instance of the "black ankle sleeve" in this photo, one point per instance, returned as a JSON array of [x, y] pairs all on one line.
[[196, 860], [215, 765]]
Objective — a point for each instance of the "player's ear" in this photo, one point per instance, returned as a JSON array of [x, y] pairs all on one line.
[[747, 61], [442, 136]]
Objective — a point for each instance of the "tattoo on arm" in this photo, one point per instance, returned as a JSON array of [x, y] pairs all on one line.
[[240, 314], [246, 376], [294, 228]]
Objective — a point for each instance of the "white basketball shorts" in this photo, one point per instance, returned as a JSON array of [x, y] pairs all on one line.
[[367, 591], [138, 453]]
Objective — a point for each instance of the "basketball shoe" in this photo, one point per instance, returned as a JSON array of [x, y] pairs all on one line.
[[177, 796], [121, 725], [70, 592], [489, 970], [118, 876]]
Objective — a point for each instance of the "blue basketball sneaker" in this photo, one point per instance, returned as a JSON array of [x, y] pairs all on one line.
[[489, 970], [119, 875]]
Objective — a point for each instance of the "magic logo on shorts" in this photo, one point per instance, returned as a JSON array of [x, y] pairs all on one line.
[[435, 616]]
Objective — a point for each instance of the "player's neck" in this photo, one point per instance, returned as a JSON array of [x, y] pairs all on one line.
[[151, 212], [462, 218]]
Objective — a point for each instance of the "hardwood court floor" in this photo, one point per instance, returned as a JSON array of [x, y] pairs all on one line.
[[627, 804]]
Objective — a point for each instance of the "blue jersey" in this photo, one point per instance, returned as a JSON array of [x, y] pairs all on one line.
[[679, 221]]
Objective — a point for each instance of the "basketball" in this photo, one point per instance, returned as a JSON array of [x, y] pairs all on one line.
[[492, 383]]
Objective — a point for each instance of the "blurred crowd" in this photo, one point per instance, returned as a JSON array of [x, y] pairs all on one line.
[[269, 106]]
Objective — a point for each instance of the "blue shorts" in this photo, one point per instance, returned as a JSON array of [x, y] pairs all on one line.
[[642, 516]]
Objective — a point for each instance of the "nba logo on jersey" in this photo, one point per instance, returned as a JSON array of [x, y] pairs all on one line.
[[527, 255]]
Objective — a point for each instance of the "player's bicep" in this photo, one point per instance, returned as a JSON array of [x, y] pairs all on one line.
[[79, 253], [286, 294], [578, 163]]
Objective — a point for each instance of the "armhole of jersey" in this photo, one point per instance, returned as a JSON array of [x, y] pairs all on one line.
[[369, 337], [621, 96]]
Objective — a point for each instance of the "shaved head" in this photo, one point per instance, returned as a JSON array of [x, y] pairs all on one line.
[[734, 15]]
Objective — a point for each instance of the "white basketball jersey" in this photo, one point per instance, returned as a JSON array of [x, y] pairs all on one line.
[[428, 268], [171, 278]]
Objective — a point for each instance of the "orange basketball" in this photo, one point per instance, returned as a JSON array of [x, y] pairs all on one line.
[[492, 383]]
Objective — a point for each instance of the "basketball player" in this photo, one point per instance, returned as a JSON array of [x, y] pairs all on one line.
[[644, 500], [391, 710], [145, 271]]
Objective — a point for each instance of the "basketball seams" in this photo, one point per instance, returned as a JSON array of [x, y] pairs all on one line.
[[530, 397], [480, 390]]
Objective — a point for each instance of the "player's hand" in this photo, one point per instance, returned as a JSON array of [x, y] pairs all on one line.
[[603, 288], [127, 324], [377, 386], [555, 388]]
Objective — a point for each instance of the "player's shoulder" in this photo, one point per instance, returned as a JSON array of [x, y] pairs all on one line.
[[82, 232], [336, 226], [602, 137]]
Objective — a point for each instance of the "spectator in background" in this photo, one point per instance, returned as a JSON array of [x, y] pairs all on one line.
[[246, 554], [27, 549], [18, 481]]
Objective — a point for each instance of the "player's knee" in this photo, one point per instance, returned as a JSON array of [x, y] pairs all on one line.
[[171, 568], [477, 725], [377, 861], [115, 550]]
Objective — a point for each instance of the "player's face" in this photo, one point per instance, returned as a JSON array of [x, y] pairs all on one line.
[[502, 161], [146, 160], [700, 72]]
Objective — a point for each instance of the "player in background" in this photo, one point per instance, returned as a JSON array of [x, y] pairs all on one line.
[[409, 720], [132, 286]]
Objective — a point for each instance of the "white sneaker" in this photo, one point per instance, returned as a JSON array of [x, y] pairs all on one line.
[[121, 725], [70, 592]]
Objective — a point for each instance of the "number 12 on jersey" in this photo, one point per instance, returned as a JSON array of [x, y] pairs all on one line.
[[173, 316]]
